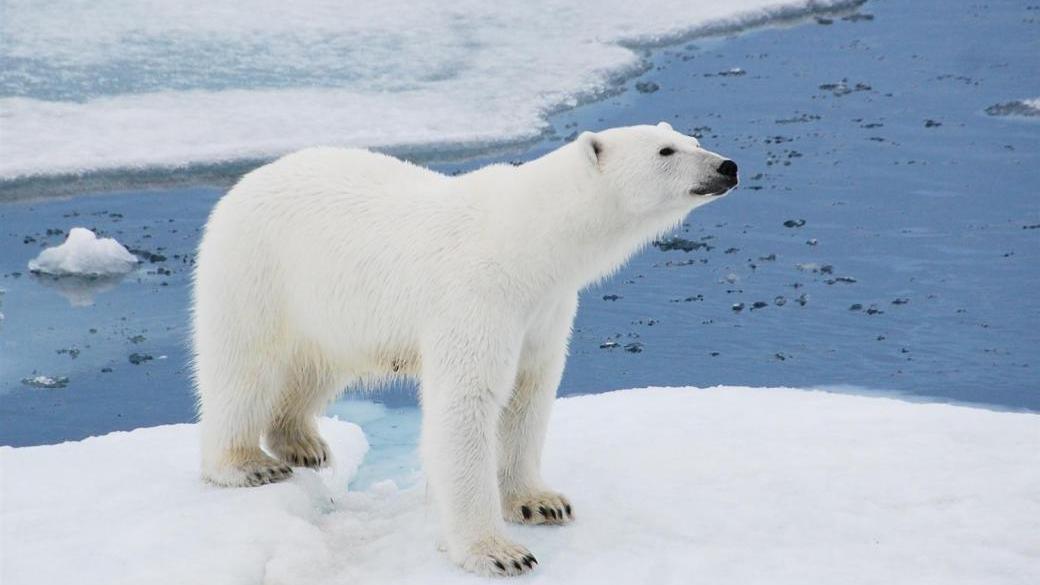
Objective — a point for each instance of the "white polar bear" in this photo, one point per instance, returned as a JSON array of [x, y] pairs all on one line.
[[331, 268]]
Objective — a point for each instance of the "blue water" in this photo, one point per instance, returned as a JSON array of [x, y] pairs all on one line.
[[940, 215]]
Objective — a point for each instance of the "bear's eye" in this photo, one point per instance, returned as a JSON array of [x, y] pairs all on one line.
[[667, 151]]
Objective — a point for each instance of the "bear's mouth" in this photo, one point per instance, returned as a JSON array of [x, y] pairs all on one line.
[[715, 188]]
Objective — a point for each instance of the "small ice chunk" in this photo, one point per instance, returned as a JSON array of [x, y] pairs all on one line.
[[84, 254], [46, 382], [1027, 108]]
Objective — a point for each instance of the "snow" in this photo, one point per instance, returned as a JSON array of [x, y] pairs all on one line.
[[726, 485], [84, 254], [118, 83]]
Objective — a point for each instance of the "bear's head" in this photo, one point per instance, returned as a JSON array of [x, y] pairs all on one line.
[[654, 169]]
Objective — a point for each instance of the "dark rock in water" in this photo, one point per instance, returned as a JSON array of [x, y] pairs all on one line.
[[688, 262], [611, 297], [72, 352], [769, 258], [1031, 227], [676, 243], [842, 88], [759, 305], [781, 356], [857, 17], [146, 255], [737, 307], [106, 370], [46, 382], [873, 310], [844, 279], [734, 72], [856, 307], [800, 119], [140, 358], [136, 339], [823, 20], [647, 87], [803, 299], [714, 354], [931, 123], [794, 223], [634, 347], [780, 301], [609, 344], [901, 301]]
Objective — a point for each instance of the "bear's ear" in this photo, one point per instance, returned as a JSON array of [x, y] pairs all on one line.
[[664, 125], [591, 146]]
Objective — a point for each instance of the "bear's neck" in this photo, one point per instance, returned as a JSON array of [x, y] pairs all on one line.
[[559, 226]]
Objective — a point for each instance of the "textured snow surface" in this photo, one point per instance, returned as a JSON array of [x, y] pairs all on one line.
[[84, 254], [726, 485], [119, 83]]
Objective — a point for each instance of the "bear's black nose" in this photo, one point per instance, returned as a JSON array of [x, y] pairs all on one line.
[[728, 168]]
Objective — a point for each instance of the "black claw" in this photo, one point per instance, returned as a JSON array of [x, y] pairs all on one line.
[[500, 566], [527, 561], [543, 511], [517, 565], [526, 512], [552, 513], [257, 475], [568, 508]]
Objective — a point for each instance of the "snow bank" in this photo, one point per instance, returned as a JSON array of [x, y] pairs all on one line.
[[84, 254], [119, 83], [728, 485]]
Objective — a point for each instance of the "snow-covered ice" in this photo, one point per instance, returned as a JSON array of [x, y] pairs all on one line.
[[84, 254], [725, 485], [117, 83]]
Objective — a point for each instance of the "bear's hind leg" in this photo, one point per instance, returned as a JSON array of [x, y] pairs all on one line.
[[293, 436]]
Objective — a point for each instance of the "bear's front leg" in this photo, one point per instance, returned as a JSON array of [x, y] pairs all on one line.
[[524, 422], [465, 382], [522, 428]]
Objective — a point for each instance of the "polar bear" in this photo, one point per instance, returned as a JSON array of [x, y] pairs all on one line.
[[332, 268]]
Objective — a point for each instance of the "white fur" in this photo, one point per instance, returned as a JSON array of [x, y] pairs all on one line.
[[330, 268]]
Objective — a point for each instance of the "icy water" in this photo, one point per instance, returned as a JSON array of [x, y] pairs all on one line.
[[886, 237]]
